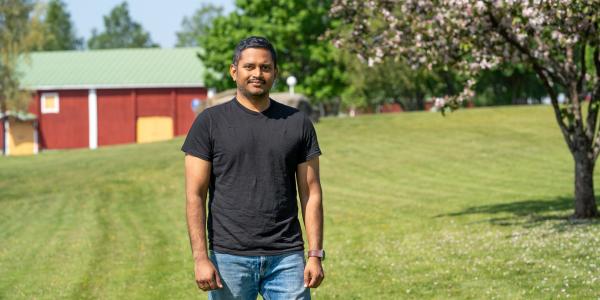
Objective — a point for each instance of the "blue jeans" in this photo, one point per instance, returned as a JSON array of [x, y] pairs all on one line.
[[274, 277]]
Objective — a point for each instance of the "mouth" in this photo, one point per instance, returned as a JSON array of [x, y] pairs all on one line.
[[256, 82]]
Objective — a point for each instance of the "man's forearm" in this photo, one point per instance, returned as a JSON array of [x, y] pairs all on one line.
[[313, 222], [196, 222]]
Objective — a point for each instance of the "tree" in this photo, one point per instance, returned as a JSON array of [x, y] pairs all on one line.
[[371, 86], [508, 84], [20, 31], [295, 28], [558, 40], [120, 32], [197, 25], [60, 33]]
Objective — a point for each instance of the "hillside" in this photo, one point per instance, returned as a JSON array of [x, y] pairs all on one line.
[[472, 205]]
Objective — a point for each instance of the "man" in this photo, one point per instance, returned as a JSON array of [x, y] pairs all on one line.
[[249, 154]]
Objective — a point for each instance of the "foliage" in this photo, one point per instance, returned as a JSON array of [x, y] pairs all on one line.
[[508, 84], [393, 81], [552, 38], [60, 32], [197, 25], [120, 32], [295, 28], [20, 31]]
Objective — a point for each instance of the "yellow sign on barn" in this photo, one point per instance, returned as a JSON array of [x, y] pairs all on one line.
[[21, 137], [153, 129]]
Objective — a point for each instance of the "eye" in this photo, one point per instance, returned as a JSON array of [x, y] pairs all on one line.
[[266, 68]]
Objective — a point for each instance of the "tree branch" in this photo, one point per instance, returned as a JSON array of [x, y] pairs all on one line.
[[541, 72], [557, 113], [581, 79], [575, 101], [594, 105], [511, 39]]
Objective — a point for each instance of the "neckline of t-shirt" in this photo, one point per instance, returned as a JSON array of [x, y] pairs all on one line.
[[252, 112]]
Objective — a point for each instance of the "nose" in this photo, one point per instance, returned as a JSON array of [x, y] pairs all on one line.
[[257, 72]]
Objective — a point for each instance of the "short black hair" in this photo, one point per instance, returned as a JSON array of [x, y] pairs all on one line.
[[254, 42]]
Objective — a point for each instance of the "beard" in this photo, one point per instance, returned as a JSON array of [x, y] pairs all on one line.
[[254, 94]]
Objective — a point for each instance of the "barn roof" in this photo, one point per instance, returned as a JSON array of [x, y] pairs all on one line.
[[113, 68]]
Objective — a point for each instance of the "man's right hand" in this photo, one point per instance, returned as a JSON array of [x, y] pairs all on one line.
[[207, 277]]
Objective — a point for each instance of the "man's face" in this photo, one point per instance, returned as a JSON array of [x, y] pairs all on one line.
[[254, 73]]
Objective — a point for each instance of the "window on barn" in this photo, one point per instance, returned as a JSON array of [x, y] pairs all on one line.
[[50, 103]]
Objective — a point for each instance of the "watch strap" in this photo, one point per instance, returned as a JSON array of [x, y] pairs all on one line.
[[316, 253]]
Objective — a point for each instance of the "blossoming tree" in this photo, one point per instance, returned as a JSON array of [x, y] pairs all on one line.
[[558, 39]]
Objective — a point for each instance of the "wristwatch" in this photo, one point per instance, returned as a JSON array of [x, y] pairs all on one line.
[[317, 253]]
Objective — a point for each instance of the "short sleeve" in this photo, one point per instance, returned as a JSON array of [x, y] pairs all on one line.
[[309, 145], [199, 139]]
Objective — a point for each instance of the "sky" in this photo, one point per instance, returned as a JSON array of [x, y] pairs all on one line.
[[161, 18]]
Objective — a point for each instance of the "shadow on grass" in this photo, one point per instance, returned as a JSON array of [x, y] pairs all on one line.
[[528, 213]]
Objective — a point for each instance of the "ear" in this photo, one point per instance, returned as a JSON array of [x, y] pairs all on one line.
[[233, 72]]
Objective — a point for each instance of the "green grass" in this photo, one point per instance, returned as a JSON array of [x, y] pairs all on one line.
[[470, 206]]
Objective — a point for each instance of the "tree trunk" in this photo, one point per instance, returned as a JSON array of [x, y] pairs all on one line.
[[585, 201], [420, 101]]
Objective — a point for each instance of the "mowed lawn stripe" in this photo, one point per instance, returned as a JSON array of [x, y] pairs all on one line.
[[39, 251]]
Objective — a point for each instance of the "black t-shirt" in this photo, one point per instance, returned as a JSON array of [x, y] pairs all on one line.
[[252, 208]]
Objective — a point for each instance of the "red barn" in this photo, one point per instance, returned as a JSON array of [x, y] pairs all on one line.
[[86, 99]]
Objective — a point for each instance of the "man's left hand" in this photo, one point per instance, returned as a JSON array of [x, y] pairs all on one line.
[[313, 273]]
